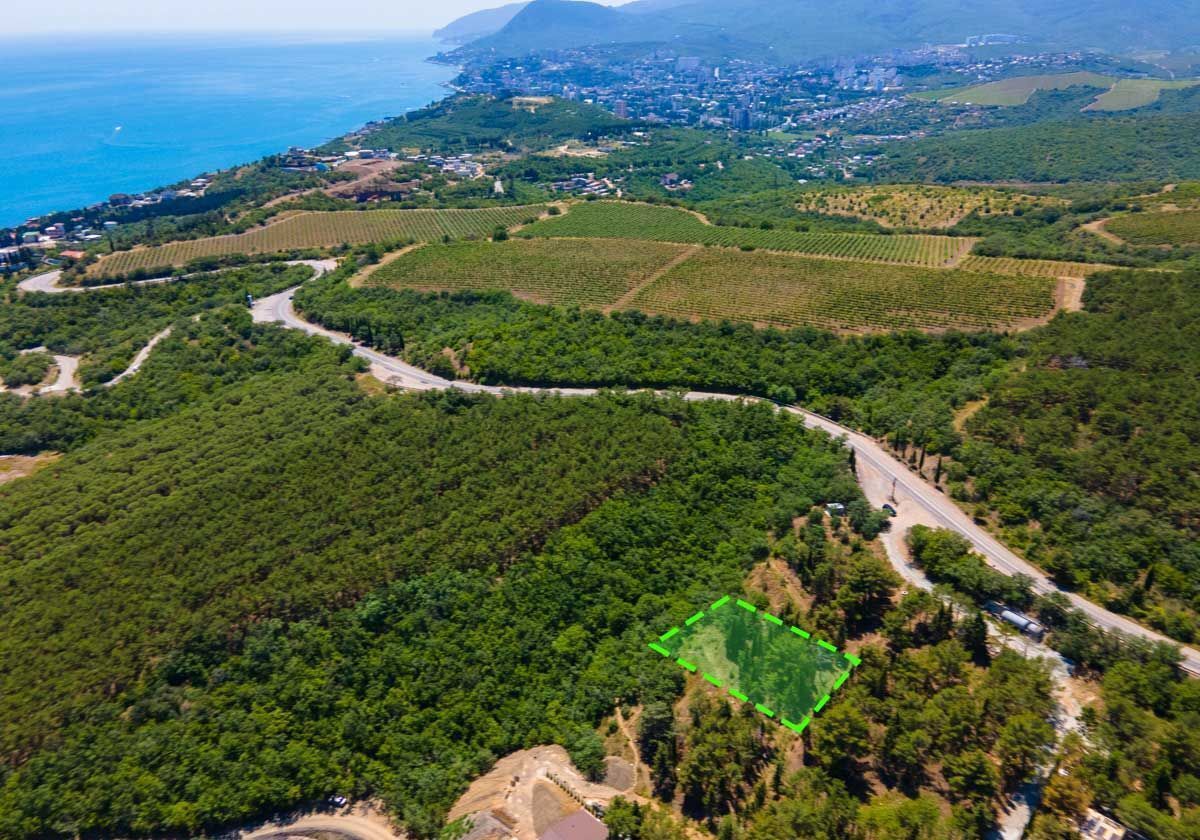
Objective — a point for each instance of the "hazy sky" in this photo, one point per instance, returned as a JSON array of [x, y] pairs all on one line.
[[257, 15]]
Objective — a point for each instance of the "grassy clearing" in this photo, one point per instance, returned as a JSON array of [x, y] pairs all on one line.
[[325, 230], [667, 224], [1165, 228], [1017, 91], [1119, 94], [592, 272], [919, 206], [1128, 94], [788, 291]]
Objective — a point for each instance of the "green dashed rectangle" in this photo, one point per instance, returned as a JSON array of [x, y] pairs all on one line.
[[737, 695]]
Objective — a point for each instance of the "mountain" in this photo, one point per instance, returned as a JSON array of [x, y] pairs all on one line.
[[800, 29], [550, 24], [478, 24]]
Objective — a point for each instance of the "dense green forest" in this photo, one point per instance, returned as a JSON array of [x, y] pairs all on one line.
[[472, 123], [1126, 148], [241, 591]]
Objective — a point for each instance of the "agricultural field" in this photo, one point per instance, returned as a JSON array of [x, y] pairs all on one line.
[[1119, 94], [787, 291], [1128, 94], [324, 230], [917, 206], [1018, 90], [625, 220], [1179, 227], [587, 272], [1033, 268]]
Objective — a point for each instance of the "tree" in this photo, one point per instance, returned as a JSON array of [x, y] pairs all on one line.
[[972, 776], [1022, 745], [973, 633]]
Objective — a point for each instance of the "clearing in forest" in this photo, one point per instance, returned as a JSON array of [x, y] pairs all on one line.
[[324, 230], [917, 205], [785, 672], [627, 220], [788, 291], [584, 272]]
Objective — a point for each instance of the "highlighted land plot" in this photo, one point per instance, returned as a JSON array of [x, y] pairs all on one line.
[[785, 672]]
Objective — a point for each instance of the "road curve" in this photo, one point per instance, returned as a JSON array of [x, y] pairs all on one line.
[[278, 308]]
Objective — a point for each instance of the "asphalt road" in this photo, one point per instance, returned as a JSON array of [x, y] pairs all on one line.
[[278, 308]]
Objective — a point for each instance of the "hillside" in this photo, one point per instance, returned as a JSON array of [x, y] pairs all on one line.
[[470, 123], [1149, 147], [795, 29], [478, 24]]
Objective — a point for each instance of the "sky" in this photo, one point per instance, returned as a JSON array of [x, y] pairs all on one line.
[[75, 16]]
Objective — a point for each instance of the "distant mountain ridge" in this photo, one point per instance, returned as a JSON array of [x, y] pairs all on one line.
[[798, 29], [478, 24]]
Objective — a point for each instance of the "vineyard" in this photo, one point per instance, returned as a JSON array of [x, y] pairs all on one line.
[[591, 272], [325, 230], [1032, 268], [1165, 228], [667, 224], [916, 206], [786, 291]]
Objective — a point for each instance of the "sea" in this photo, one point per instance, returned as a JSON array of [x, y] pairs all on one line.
[[83, 118]]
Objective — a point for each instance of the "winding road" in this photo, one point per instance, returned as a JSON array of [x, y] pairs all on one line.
[[279, 309], [889, 471]]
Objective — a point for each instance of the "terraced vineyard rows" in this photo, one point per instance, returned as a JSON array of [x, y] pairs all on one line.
[[1181, 227], [1032, 268], [323, 230], [787, 291], [667, 224], [591, 272]]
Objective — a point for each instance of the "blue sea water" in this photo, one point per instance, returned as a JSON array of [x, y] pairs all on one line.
[[83, 119]]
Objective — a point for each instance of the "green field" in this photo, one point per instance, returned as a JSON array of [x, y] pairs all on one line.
[[1128, 94], [1180, 227], [1018, 90], [324, 230], [667, 224], [1032, 268], [591, 272], [1119, 94], [726, 283], [787, 291]]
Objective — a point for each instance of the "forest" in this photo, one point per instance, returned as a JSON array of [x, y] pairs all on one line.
[[256, 666]]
